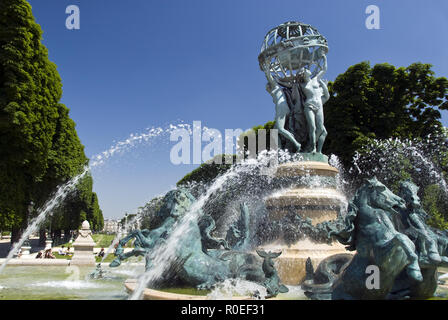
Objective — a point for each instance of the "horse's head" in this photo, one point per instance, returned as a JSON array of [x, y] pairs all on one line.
[[379, 196], [174, 204], [177, 202], [408, 191]]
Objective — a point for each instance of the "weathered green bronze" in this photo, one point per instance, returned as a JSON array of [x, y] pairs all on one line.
[[293, 58], [201, 260], [272, 282], [389, 232]]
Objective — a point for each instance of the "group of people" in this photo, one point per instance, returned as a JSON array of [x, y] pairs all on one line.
[[45, 254], [64, 252], [48, 253]]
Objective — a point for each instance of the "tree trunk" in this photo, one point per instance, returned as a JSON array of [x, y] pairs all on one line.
[[57, 237], [67, 235], [42, 237], [16, 234]]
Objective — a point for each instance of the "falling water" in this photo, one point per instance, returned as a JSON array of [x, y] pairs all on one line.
[[50, 205], [444, 276], [383, 155], [122, 232], [436, 175], [69, 186], [163, 254], [238, 288], [341, 180]]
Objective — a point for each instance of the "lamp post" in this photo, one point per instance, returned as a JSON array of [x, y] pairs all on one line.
[[49, 240], [125, 222], [26, 243], [26, 246]]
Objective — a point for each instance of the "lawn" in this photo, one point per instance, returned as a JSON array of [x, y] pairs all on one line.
[[61, 256], [103, 240], [109, 258]]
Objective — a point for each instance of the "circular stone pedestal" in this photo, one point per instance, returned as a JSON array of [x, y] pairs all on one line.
[[318, 201], [291, 264]]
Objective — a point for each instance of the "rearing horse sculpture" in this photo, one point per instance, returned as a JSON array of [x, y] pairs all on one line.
[[388, 232], [377, 243]]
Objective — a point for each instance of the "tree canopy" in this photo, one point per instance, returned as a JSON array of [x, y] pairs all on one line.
[[381, 102], [39, 147]]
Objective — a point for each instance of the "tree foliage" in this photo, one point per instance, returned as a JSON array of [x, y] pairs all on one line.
[[385, 121], [39, 147], [435, 204], [207, 171], [148, 212], [382, 102]]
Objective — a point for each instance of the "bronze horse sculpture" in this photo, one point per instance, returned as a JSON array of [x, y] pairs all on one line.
[[201, 260], [387, 232]]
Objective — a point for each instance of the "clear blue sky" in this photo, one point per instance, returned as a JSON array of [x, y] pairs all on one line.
[[141, 63]]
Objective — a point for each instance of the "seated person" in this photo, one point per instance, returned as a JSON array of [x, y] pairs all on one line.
[[49, 254], [40, 255], [101, 253], [61, 251], [67, 252]]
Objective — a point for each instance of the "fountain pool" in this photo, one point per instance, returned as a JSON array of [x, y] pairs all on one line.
[[64, 283]]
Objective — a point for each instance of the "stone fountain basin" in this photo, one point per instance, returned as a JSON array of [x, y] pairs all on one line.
[[52, 282], [152, 294]]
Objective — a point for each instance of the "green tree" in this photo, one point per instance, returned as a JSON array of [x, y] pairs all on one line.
[[148, 212], [39, 147], [381, 102], [30, 88], [207, 171], [267, 126], [435, 206]]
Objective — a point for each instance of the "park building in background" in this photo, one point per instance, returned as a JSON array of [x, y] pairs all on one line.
[[111, 226]]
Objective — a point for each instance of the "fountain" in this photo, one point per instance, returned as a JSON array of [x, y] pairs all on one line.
[[293, 58], [309, 219], [319, 204], [312, 243], [301, 48]]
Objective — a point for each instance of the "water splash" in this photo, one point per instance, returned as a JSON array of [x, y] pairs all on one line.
[[237, 288], [443, 276], [64, 190], [342, 182], [386, 159], [49, 206], [163, 254], [68, 284]]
